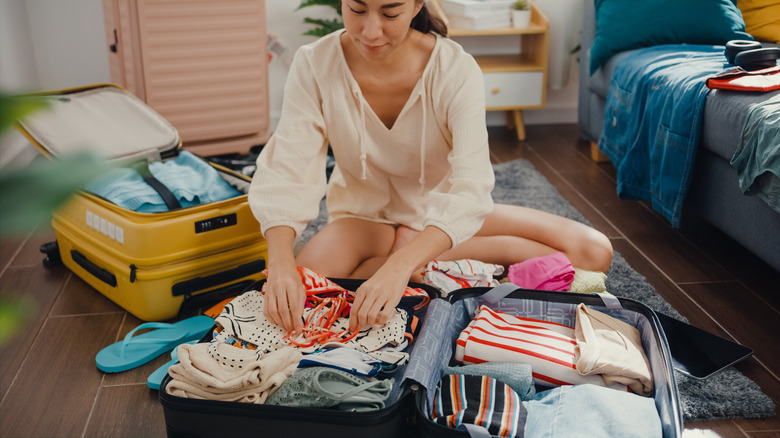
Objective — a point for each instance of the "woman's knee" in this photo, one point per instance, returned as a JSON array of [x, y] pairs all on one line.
[[594, 252]]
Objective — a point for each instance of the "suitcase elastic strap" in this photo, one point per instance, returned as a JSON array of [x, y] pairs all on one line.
[[503, 290], [142, 167], [499, 292]]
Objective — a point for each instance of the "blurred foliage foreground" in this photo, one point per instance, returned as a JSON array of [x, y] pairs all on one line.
[[28, 196]]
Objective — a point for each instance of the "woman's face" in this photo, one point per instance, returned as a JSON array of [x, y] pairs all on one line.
[[376, 27]]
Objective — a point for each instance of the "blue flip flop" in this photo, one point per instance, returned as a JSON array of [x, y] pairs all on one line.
[[134, 351], [155, 379]]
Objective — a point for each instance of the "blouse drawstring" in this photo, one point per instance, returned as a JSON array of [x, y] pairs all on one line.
[[422, 146], [361, 136]]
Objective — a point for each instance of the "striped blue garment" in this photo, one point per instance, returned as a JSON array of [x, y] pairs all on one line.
[[479, 400]]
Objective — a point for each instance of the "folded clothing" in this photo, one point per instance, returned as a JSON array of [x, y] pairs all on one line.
[[227, 373], [344, 359], [243, 319], [323, 387], [549, 348], [192, 181], [448, 276], [585, 411], [588, 282], [479, 400], [551, 272], [517, 375], [612, 349]]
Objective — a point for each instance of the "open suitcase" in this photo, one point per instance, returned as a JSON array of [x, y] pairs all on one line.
[[430, 354], [147, 263], [446, 318], [189, 417]]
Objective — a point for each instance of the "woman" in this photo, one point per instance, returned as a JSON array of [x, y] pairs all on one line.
[[403, 110]]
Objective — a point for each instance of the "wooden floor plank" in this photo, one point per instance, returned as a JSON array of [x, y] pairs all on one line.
[[9, 247], [33, 290], [676, 257], [127, 411], [748, 269], [667, 289], [54, 391]]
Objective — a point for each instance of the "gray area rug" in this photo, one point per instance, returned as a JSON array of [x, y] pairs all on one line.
[[725, 395]]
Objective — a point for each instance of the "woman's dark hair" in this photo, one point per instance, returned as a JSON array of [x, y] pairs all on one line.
[[426, 22]]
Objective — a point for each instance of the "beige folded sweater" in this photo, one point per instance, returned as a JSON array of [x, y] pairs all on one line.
[[218, 371]]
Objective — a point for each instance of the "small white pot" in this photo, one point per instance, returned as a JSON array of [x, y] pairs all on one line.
[[521, 19]]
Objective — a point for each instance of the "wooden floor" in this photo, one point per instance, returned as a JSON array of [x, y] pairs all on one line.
[[51, 387]]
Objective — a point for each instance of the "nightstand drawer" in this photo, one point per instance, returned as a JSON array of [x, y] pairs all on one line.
[[522, 88]]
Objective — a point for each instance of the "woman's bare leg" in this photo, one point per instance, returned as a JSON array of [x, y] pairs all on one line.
[[512, 234], [343, 245], [403, 235], [355, 248]]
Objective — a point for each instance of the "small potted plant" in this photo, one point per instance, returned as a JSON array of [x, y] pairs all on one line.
[[521, 13]]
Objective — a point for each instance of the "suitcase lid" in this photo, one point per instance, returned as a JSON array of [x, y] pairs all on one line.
[[104, 119]]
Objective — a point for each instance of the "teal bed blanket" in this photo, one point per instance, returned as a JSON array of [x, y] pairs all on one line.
[[652, 121], [757, 159]]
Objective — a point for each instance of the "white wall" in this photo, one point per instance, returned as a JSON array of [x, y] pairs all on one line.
[[48, 45], [55, 44]]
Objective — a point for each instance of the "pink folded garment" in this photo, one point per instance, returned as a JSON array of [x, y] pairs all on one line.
[[552, 272]]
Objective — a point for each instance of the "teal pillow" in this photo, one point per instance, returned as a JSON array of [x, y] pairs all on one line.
[[630, 24]]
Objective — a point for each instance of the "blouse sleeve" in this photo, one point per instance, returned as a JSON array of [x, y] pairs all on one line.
[[460, 204], [290, 179]]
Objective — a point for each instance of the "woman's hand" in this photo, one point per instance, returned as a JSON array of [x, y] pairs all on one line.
[[284, 299], [285, 295], [377, 298]]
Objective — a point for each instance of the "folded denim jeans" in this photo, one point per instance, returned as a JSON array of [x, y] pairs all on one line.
[[588, 411]]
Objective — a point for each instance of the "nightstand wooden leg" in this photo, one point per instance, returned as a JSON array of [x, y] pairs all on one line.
[[519, 124], [596, 155]]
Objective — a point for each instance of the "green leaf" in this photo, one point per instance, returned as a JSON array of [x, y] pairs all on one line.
[[29, 195], [13, 108], [324, 27], [13, 315]]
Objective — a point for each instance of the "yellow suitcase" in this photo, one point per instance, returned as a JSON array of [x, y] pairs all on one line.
[[148, 263]]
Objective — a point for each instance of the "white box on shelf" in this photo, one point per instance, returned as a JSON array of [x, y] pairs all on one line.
[[480, 22], [472, 8]]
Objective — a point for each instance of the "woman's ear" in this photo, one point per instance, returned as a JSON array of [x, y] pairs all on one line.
[[418, 5]]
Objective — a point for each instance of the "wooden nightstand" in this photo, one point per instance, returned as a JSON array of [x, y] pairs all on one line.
[[517, 81]]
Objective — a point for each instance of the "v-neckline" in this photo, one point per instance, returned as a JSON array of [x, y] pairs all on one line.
[[409, 100]]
